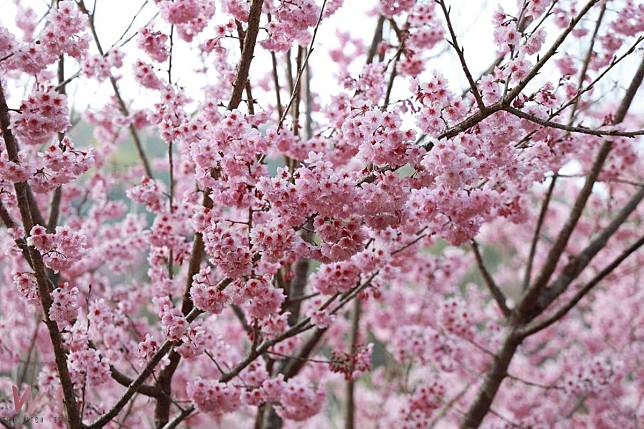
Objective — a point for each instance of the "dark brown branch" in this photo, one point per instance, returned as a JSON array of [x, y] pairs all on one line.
[[22, 192], [293, 366], [467, 123], [126, 381], [355, 338], [54, 207], [574, 100], [578, 263], [302, 326], [553, 50], [630, 94], [20, 242], [461, 56], [250, 40], [572, 129], [308, 103], [36, 215], [491, 383], [276, 81], [537, 326], [248, 88], [474, 119], [6, 216], [139, 380], [297, 92], [537, 232], [179, 418], [170, 54], [298, 285], [375, 41], [561, 241], [497, 373], [393, 75], [25, 368], [496, 292], [586, 63], [162, 407]]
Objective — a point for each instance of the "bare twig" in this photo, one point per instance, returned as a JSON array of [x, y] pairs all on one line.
[[572, 129], [589, 55], [300, 71], [136, 15], [461, 56], [123, 107], [553, 49]]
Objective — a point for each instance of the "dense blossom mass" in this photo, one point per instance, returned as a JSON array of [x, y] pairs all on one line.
[[371, 242]]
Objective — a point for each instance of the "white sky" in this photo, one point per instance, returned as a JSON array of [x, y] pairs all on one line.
[[471, 19]]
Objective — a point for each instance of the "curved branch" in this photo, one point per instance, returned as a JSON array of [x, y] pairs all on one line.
[[583, 130]]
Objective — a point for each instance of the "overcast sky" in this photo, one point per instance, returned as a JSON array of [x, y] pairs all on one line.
[[471, 19]]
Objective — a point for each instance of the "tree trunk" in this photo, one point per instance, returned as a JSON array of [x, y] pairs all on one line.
[[493, 379]]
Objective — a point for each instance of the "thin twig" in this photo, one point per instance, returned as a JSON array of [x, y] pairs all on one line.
[[569, 128], [136, 15], [300, 71], [461, 56], [123, 107]]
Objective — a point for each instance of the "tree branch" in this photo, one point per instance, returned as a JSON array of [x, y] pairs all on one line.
[[300, 71], [513, 338], [553, 49], [461, 56], [578, 263], [537, 232], [162, 408], [572, 129], [22, 191], [537, 326], [589, 55], [250, 39], [139, 380], [489, 281], [561, 241], [350, 388], [124, 110]]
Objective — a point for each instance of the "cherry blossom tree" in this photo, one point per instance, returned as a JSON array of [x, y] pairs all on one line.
[[397, 253]]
